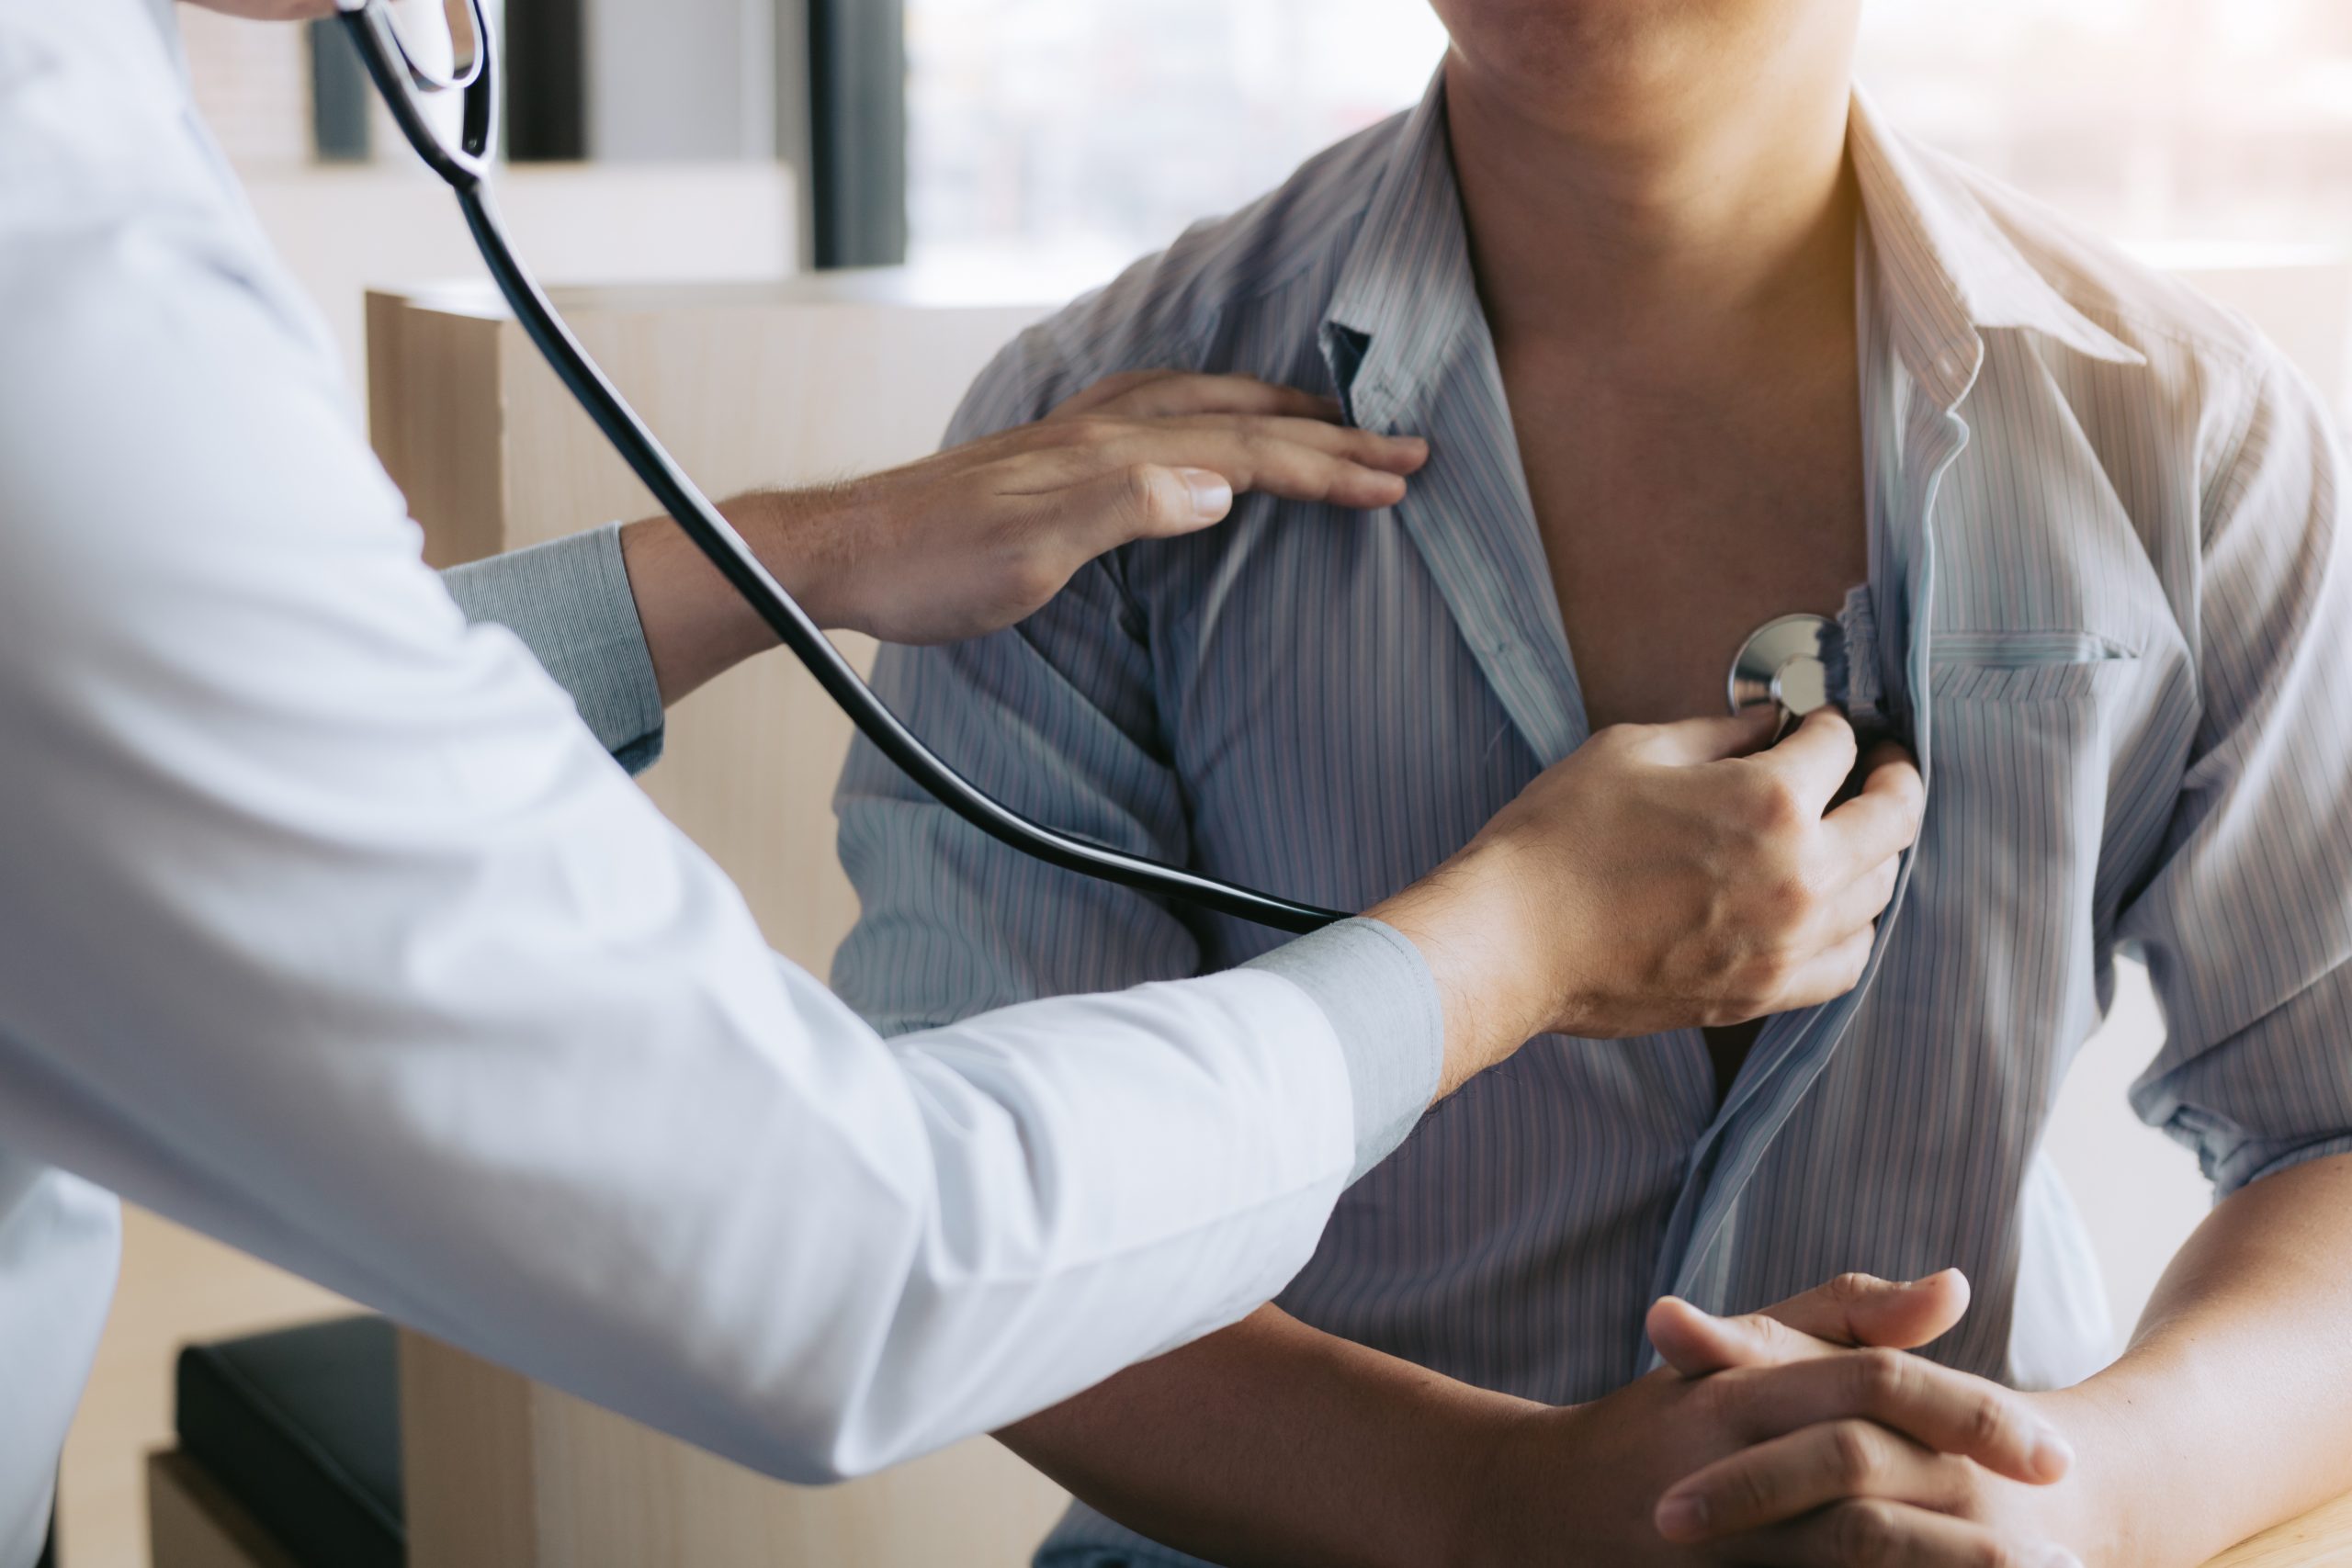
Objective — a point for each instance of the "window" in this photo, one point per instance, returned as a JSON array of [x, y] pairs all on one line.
[[1091, 132], [2199, 120]]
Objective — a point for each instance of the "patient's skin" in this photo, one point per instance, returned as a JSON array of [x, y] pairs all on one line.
[[1675, 323]]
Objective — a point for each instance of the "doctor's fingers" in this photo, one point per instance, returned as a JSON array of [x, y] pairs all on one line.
[[1803, 773], [1294, 458], [1950, 1412], [1161, 394], [1857, 905], [1882, 821], [1829, 974]]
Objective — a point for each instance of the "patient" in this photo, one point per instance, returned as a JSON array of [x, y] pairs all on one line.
[[1698, 342]]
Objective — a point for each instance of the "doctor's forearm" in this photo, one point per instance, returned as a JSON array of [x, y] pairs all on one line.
[[2232, 1409], [696, 626]]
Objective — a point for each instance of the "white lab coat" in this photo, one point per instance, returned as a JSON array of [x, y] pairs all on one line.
[[326, 927]]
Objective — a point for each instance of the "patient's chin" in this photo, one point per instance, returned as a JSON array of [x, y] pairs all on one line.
[[1593, 61]]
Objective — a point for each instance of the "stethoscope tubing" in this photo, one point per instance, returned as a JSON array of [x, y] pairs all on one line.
[[674, 494]]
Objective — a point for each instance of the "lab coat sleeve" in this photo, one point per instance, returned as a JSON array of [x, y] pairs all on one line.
[[327, 928], [570, 601], [2255, 1073]]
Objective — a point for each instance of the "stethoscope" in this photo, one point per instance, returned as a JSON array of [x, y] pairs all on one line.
[[1774, 667]]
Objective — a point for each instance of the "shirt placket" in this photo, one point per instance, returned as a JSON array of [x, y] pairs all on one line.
[[1794, 1050]]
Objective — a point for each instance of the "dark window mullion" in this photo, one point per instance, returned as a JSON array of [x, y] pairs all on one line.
[[857, 95], [547, 81]]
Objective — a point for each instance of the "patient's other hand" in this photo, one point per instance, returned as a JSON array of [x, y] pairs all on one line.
[[1859, 1489], [1582, 1485], [1663, 876]]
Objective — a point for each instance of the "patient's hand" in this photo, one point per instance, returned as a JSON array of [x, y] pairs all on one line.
[[1584, 1484], [1857, 1491]]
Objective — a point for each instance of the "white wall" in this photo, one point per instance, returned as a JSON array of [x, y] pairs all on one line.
[[344, 229]]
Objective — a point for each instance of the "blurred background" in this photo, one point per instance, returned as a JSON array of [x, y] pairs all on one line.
[[1046, 142], [1031, 148], [1101, 131]]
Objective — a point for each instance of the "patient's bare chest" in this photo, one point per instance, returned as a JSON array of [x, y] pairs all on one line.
[[1673, 529], [1673, 533]]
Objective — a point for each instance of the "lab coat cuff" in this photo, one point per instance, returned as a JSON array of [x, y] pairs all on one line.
[[570, 601], [1377, 989]]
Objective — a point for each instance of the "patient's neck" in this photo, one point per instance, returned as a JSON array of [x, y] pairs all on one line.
[[1659, 236]]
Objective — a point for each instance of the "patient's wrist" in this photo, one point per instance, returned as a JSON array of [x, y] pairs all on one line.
[[2097, 1516]]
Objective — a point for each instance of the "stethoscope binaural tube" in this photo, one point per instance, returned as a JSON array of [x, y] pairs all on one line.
[[464, 166]]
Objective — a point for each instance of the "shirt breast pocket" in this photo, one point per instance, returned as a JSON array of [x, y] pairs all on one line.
[[2024, 667], [2004, 888]]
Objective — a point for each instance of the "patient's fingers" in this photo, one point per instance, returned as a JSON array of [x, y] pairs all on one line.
[[1815, 1466], [1814, 761], [1850, 1310], [1874, 1533], [1950, 1412], [1859, 1309]]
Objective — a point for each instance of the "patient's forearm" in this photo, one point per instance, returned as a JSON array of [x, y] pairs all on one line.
[[1273, 1443], [2232, 1409]]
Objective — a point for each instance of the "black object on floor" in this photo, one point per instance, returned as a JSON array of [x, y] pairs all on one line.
[[302, 1428]]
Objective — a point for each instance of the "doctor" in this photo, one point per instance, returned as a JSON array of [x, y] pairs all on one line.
[[328, 927]]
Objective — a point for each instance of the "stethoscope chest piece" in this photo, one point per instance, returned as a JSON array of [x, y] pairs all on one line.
[[1789, 663]]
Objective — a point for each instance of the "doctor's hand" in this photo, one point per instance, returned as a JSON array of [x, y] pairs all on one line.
[[982, 535], [1584, 1484], [1665, 877]]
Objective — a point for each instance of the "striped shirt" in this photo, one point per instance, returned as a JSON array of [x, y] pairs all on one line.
[[2107, 606]]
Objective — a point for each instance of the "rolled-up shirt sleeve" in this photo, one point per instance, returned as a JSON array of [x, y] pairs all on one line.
[[2247, 923], [570, 601]]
